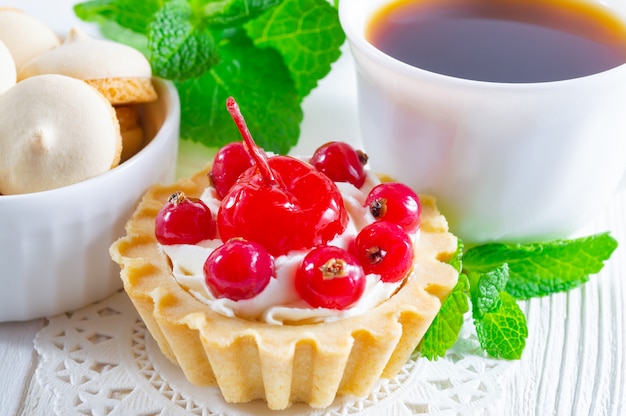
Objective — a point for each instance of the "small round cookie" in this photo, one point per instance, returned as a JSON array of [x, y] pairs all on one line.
[[121, 73], [24, 35], [55, 131], [8, 74]]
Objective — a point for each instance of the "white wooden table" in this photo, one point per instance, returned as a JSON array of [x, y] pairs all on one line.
[[575, 360]]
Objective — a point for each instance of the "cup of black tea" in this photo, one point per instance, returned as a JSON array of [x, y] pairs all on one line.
[[511, 112]]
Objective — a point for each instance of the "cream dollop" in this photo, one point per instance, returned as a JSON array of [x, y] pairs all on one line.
[[54, 131], [279, 303], [25, 36], [84, 57]]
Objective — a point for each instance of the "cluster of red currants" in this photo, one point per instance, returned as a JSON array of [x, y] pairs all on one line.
[[271, 206]]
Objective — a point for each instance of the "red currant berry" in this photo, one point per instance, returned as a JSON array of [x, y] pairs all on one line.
[[184, 220], [230, 162], [330, 277], [340, 162], [385, 249], [238, 269], [397, 203]]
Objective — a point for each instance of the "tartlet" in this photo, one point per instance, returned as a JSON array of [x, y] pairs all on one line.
[[281, 364]]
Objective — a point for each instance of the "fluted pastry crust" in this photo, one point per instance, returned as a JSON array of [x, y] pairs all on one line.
[[310, 363]]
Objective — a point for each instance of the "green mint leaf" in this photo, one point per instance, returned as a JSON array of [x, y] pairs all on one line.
[[178, 47], [502, 332], [263, 88], [445, 328], [499, 321], [543, 268], [486, 288], [307, 34], [129, 14], [234, 12]]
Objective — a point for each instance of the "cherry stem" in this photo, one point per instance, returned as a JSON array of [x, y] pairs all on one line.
[[251, 147]]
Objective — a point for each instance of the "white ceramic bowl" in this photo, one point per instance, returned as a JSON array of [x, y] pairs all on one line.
[[54, 245]]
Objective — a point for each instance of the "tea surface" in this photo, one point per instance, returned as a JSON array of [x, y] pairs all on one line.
[[512, 41]]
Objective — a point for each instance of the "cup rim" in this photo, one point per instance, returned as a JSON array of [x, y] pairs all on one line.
[[171, 119], [355, 36]]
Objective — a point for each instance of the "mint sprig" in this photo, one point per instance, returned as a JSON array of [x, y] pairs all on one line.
[[545, 268], [269, 54], [498, 276]]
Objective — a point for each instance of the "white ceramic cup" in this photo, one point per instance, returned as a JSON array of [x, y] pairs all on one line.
[[507, 162]]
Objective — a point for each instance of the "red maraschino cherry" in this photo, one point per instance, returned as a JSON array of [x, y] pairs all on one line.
[[281, 202]]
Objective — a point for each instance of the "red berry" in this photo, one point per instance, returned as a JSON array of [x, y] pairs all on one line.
[[184, 220], [238, 269], [230, 161], [330, 277], [340, 162], [397, 203], [385, 249], [282, 203]]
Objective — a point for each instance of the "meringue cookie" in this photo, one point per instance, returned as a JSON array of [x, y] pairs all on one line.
[[121, 73], [55, 131], [24, 35]]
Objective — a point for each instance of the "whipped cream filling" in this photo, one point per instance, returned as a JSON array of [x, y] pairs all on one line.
[[279, 303]]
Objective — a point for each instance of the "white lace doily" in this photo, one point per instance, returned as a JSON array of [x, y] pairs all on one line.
[[101, 361]]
